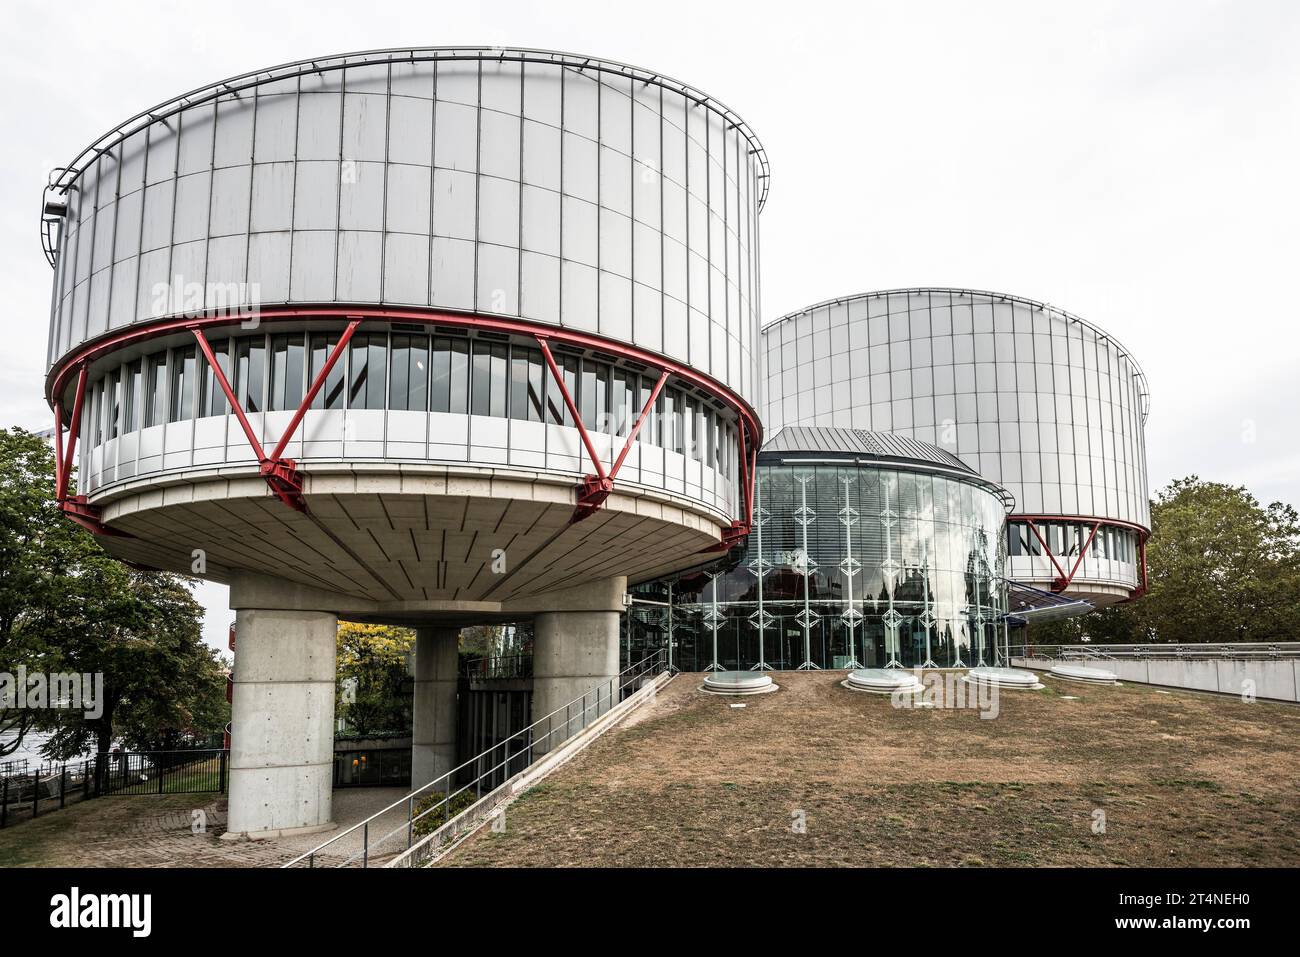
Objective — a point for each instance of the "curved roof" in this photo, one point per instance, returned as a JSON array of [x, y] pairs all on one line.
[[810, 443], [1144, 390], [66, 176], [859, 443]]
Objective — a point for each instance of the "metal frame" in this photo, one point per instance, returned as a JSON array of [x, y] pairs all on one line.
[[282, 474], [1063, 578]]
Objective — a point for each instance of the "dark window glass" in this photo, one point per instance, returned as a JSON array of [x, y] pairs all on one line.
[[377, 360], [366, 372], [500, 380], [526, 384], [182, 387], [481, 386], [587, 389], [330, 394], [134, 395], [417, 376], [95, 402], [458, 400], [687, 412], [250, 373], [569, 371], [400, 357], [625, 408], [113, 395], [440, 384], [650, 430], [287, 358], [156, 389], [212, 401], [408, 379], [602, 398]]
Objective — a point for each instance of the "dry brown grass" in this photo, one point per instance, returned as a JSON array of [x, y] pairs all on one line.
[[1183, 779]]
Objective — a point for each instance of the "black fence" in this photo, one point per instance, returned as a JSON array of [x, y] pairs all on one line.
[[28, 790]]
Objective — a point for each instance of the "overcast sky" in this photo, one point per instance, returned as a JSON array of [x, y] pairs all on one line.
[[1135, 163]]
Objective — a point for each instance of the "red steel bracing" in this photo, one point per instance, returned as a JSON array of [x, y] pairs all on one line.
[[58, 447], [640, 421], [1064, 578], [1047, 550], [74, 428], [316, 385], [281, 474], [75, 507], [235, 407]]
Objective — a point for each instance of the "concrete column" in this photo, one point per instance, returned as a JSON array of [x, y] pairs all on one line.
[[575, 653], [433, 718], [282, 723]]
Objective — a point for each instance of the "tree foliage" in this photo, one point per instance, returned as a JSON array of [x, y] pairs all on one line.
[[1221, 568], [371, 675], [68, 606]]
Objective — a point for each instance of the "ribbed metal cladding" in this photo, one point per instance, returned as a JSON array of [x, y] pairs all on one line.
[[1026, 394], [555, 188]]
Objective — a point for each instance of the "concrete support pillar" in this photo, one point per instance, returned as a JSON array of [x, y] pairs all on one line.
[[282, 723], [575, 653], [433, 718]]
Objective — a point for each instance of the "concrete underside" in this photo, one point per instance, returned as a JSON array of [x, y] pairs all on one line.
[[409, 539], [1098, 594]]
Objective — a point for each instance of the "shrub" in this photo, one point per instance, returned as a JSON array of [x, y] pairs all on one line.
[[440, 813]]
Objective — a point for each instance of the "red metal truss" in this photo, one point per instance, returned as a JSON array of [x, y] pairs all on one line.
[[75, 507], [1063, 578], [281, 473]]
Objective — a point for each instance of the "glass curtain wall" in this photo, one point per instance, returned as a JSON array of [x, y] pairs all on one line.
[[846, 565]]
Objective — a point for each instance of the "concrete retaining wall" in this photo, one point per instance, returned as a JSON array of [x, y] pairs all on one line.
[[1274, 680]]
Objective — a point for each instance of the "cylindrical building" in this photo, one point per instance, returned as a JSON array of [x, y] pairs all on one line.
[[1029, 396], [421, 336], [868, 550]]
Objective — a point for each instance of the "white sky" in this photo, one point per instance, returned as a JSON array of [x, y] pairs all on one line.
[[1137, 164]]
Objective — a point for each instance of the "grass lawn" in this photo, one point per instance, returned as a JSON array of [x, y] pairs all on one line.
[[1177, 780]]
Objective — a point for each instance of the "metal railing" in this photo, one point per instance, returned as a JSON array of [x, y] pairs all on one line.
[[1241, 651], [500, 666], [435, 803], [52, 785]]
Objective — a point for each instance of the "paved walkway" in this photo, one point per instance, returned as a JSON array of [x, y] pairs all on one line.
[[180, 830]]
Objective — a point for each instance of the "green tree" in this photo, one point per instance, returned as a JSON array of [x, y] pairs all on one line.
[[66, 605], [41, 555], [1220, 567], [371, 671]]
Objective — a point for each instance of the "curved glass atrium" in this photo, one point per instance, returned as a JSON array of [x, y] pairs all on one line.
[[868, 547]]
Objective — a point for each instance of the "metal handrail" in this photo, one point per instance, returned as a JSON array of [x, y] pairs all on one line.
[[602, 693]]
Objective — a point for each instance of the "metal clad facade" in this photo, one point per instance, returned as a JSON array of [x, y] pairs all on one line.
[[1041, 402], [569, 196], [554, 189]]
